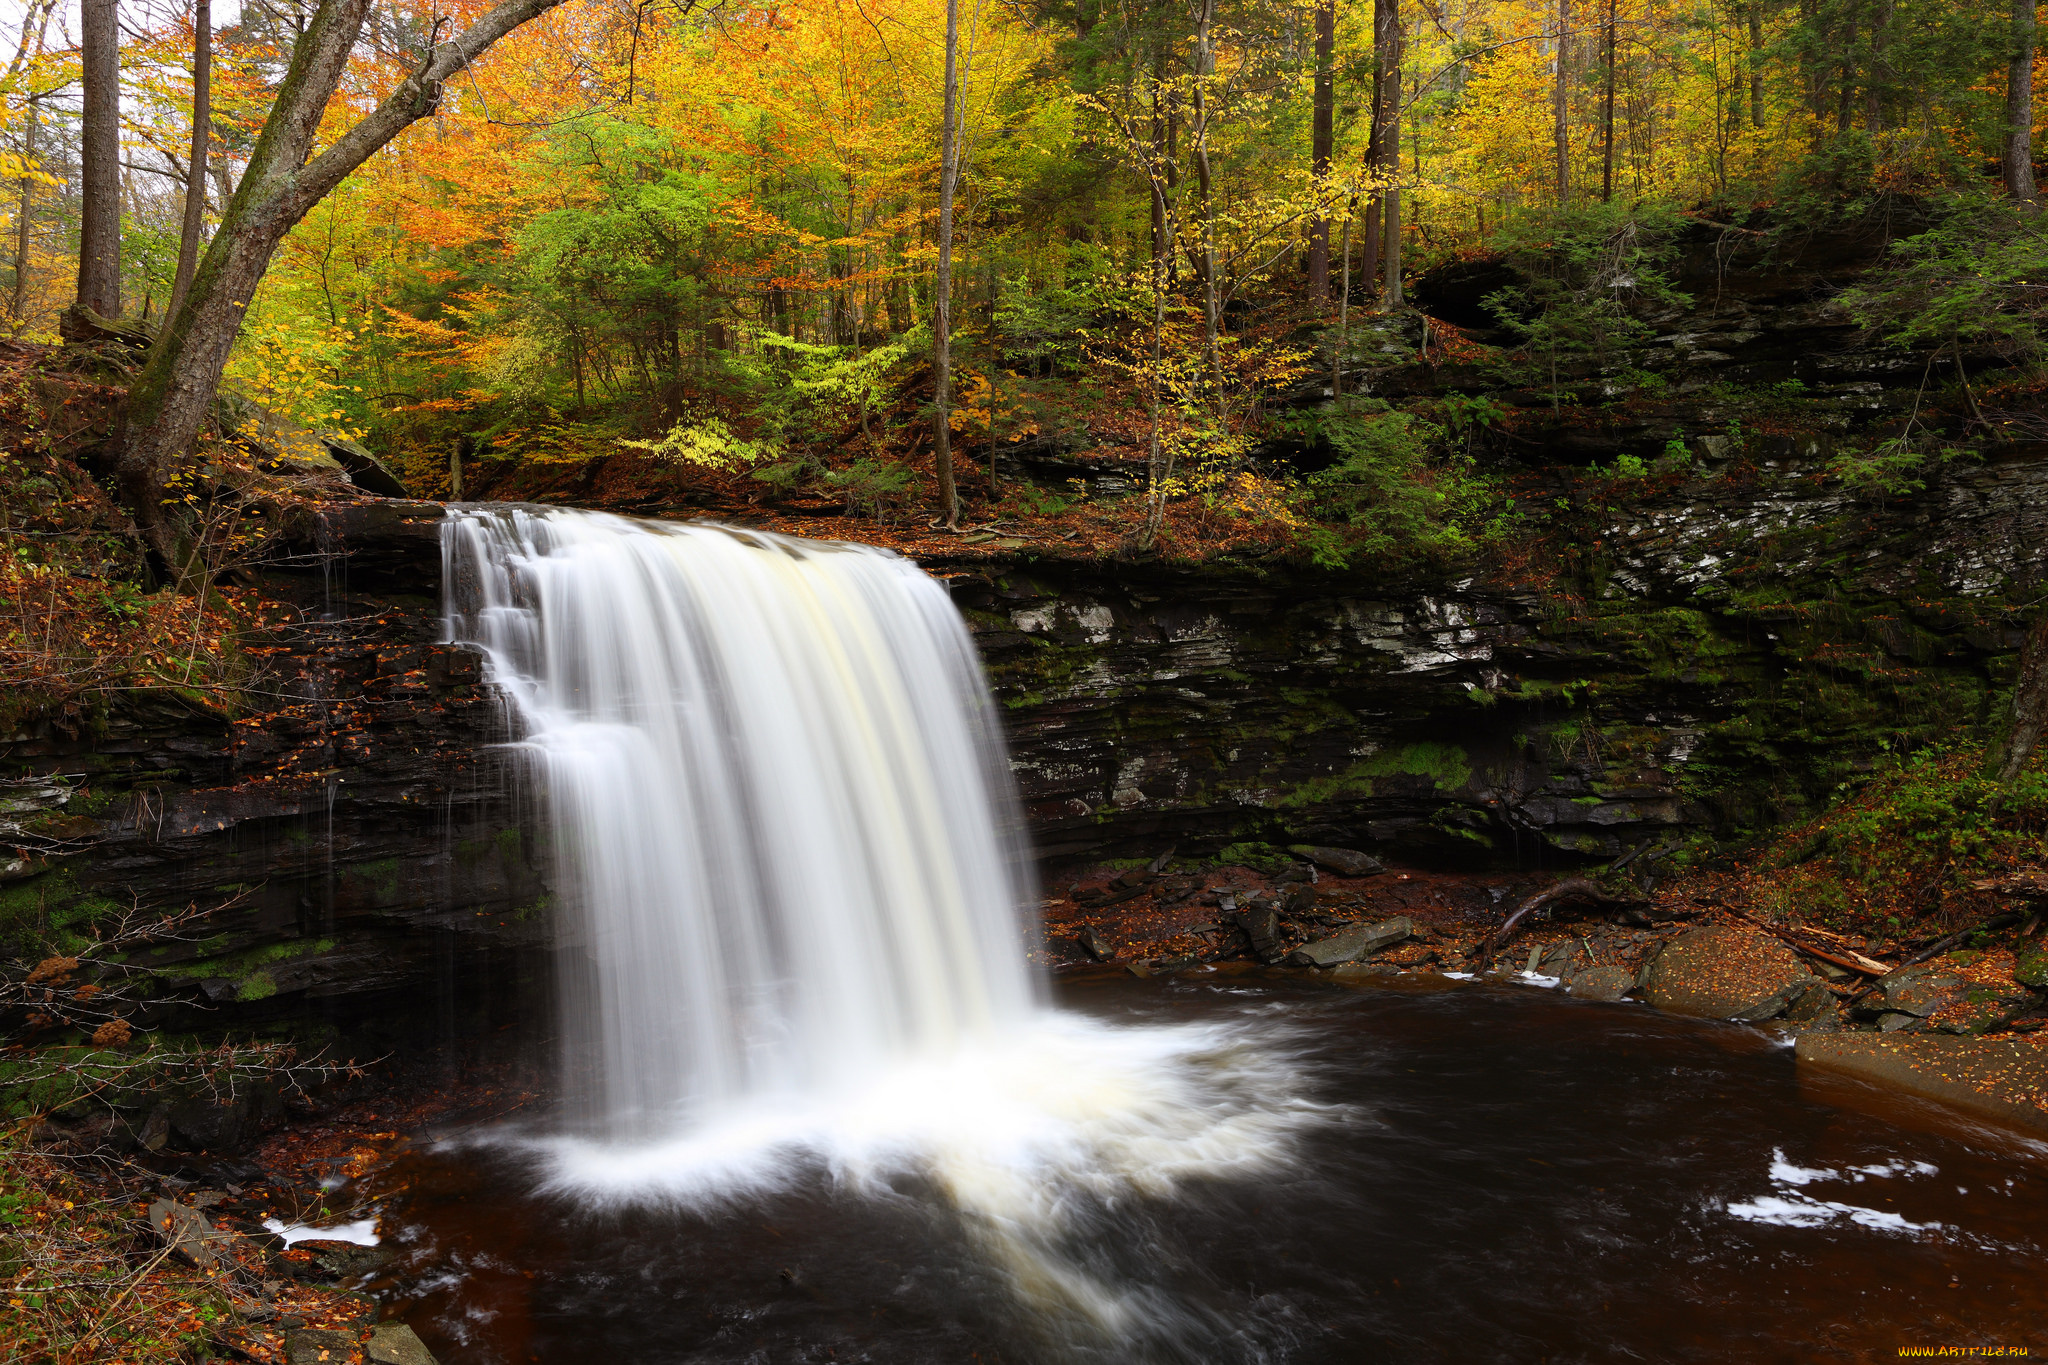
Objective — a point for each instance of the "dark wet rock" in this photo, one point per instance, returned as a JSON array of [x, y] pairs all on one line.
[[1727, 972], [1601, 983], [1352, 944], [202, 1125], [1345, 862], [314, 1346], [1813, 1003], [394, 1343], [1297, 898], [1895, 1022], [1919, 990], [1261, 927], [326, 1260]]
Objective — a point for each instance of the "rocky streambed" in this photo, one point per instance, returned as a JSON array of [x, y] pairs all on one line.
[[1967, 1027]]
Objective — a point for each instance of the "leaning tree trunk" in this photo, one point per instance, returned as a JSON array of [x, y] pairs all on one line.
[[169, 402], [99, 231], [2019, 105], [2029, 702]]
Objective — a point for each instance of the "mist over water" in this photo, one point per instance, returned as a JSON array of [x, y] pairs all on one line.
[[800, 910]]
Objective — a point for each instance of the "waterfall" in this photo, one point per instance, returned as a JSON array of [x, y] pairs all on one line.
[[789, 865], [785, 827]]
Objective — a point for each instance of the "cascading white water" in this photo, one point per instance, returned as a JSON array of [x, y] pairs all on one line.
[[785, 827], [788, 850]]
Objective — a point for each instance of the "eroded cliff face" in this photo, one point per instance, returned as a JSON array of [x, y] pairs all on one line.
[[368, 837], [1739, 649]]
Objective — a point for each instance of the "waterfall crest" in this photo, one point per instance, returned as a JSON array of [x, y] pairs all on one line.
[[787, 841]]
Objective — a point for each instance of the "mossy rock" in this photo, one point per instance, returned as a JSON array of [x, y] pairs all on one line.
[[2032, 971]]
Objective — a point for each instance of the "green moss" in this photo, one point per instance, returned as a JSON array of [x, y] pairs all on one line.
[[247, 963], [382, 876], [257, 986]]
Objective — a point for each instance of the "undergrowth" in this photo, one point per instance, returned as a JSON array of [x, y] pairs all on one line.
[[1903, 853]]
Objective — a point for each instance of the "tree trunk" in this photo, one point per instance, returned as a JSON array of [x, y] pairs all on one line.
[[1874, 78], [195, 171], [99, 234], [942, 310], [1163, 209], [1386, 122], [1756, 70], [1322, 142], [18, 310], [1390, 282], [1162, 244], [1343, 303], [169, 401], [2029, 702], [1560, 108], [2019, 106], [1212, 296], [1607, 114]]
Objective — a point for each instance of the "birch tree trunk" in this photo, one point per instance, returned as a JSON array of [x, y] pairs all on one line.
[[170, 400]]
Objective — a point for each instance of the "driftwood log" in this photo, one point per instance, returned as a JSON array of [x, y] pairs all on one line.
[[1570, 891]]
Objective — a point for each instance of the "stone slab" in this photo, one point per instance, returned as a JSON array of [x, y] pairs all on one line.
[[2000, 1077], [1352, 944], [1727, 971]]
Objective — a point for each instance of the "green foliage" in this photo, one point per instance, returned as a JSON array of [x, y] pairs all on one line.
[[1397, 496], [1588, 273], [1892, 467], [705, 440], [802, 391], [1979, 276], [1937, 811], [872, 487]]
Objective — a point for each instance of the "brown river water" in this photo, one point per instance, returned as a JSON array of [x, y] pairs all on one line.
[[1498, 1173]]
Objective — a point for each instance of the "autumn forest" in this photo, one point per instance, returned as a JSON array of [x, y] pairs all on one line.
[[770, 243]]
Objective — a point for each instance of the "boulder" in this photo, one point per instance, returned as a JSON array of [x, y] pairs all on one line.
[[1296, 898], [312, 1346], [1261, 928], [1352, 944], [393, 1343], [333, 1260], [2032, 971], [1601, 983], [1728, 972], [1921, 990], [1345, 862]]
